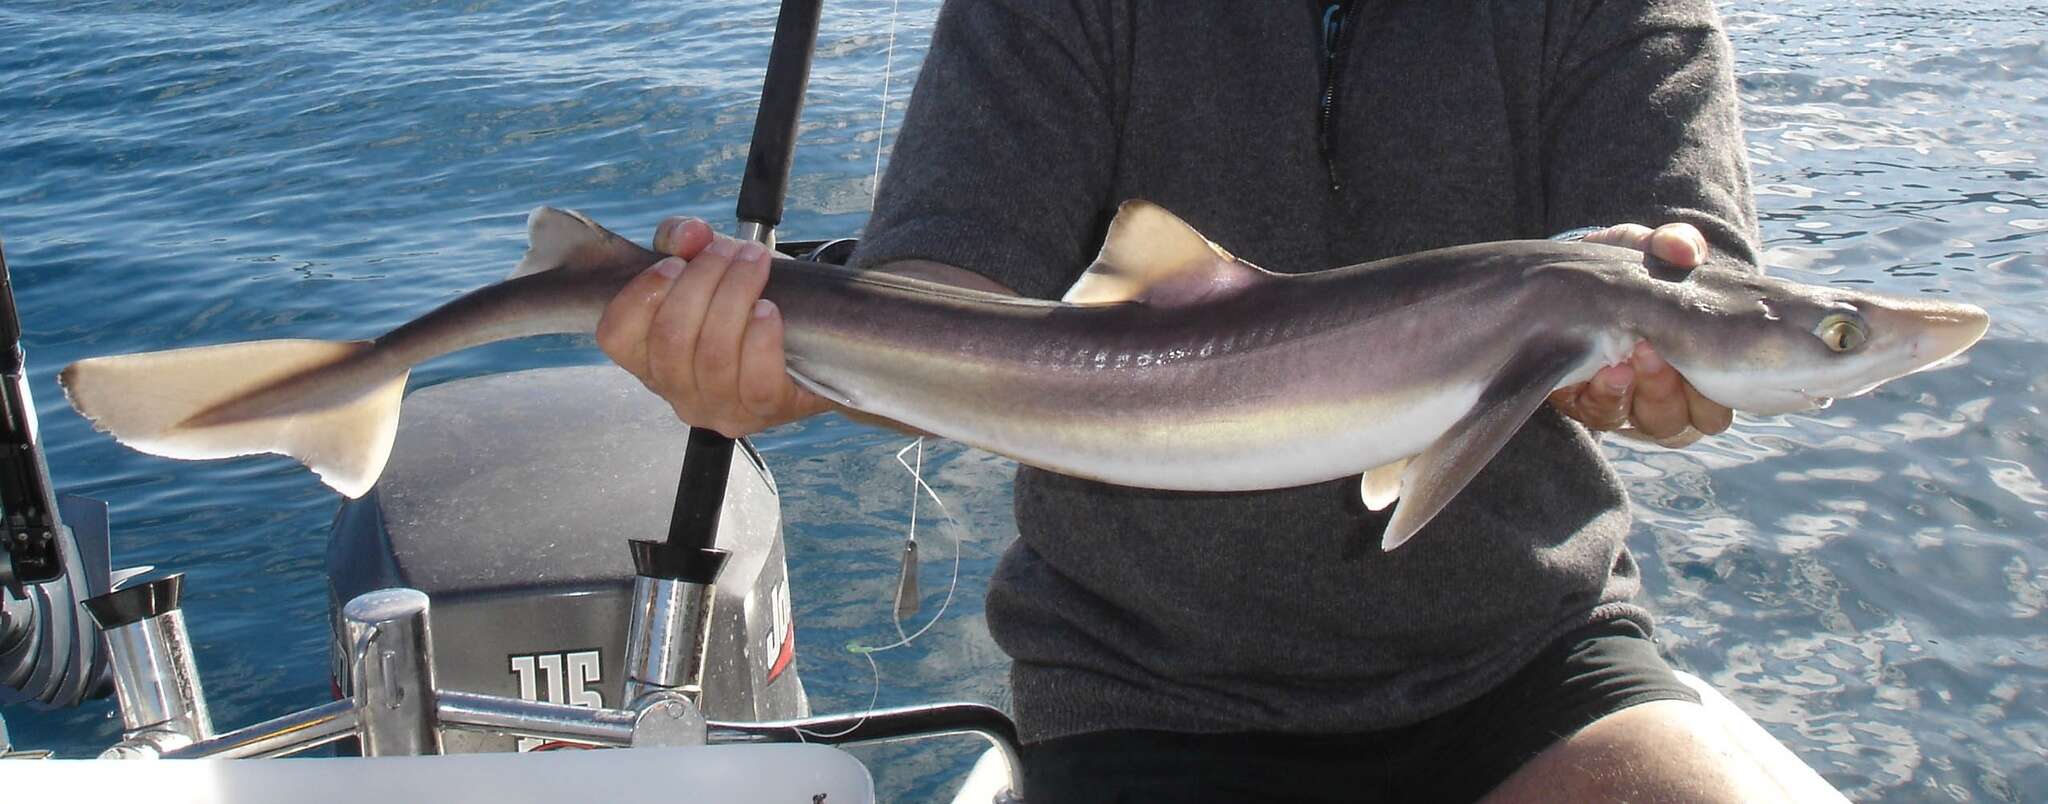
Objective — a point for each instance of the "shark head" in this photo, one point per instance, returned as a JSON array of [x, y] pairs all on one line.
[[1772, 346]]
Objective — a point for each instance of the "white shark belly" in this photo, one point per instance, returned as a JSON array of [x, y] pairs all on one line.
[[1194, 450]]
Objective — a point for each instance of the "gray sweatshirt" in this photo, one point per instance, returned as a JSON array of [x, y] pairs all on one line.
[[1418, 125]]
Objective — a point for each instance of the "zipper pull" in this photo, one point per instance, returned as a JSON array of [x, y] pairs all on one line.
[[1333, 21]]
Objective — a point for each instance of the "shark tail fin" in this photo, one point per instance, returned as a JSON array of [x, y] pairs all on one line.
[[278, 396]]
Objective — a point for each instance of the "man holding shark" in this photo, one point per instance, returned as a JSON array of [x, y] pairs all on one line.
[[1209, 443], [1174, 646], [1210, 439]]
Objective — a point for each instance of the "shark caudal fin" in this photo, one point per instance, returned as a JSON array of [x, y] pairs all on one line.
[[245, 399]]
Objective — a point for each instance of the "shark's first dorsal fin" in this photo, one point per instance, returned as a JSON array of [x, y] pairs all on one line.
[[1152, 256], [557, 238]]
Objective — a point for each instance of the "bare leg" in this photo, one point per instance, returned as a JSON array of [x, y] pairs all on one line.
[[1667, 751]]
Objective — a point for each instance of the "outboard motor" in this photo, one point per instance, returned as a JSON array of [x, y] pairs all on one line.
[[509, 500], [54, 553]]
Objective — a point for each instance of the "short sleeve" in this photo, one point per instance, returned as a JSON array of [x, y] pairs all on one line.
[[1640, 124], [1006, 156]]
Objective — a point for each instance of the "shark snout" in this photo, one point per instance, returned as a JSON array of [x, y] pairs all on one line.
[[1937, 331]]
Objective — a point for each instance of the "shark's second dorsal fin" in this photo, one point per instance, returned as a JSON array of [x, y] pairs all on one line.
[[557, 238], [1152, 256]]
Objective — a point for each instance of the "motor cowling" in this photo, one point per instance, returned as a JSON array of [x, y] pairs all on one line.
[[509, 500]]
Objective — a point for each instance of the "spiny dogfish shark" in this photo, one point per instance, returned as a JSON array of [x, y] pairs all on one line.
[[1170, 364]]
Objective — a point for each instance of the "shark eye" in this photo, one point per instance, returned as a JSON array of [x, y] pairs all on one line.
[[1842, 332]]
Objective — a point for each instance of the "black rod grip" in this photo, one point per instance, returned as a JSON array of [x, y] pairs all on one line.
[[782, 103], [700, 493]]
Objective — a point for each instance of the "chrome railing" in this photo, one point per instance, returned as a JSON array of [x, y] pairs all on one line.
[[395, 706]]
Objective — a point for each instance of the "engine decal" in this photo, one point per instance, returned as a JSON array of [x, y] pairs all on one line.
[[567, 677]]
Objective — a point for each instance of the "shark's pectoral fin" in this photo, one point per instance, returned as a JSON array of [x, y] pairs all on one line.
[[1440, 472], [1382, 485]]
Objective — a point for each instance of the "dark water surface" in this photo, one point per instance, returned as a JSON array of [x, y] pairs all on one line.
[[1868, 580]]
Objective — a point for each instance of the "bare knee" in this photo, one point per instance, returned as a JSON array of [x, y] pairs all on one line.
[[1663, 751]]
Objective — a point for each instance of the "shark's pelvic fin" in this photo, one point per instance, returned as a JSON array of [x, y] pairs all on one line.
[[1382, 485], [1440, 472], [557, 238], [167, 403], [1151, 256]]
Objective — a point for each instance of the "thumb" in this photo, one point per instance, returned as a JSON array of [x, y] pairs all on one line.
[[682, 237]]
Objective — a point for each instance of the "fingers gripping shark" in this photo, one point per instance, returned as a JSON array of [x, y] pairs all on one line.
[[1170, 364]]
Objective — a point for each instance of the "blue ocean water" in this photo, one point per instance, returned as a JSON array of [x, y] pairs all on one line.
[[1868, 580]]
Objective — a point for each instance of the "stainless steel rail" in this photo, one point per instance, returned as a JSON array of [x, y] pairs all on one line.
[[888, 725], [395, 708], [298, 731], [391, 672], [547, 721]]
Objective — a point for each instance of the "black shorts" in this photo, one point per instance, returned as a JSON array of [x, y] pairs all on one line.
[[1457, 756]]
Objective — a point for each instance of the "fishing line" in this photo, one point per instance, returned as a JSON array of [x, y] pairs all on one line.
[[874, 696], [952, 587], [916, 471], [882, 124], [917, 477]]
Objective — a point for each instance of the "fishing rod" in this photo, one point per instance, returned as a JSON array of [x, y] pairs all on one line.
[[700, 494], [673, 594]]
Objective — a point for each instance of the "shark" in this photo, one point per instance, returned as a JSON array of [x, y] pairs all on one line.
[[1169, 364]]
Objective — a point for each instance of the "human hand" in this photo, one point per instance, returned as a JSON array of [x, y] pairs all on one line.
[[695, 330], [1645, 393]]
